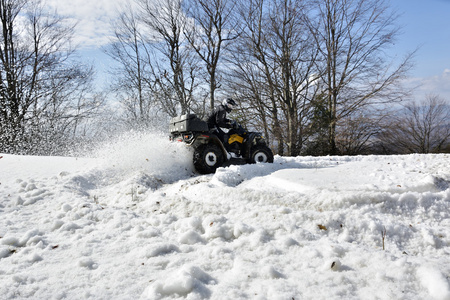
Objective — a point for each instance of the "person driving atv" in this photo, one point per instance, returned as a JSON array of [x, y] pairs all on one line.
[[218, 118]]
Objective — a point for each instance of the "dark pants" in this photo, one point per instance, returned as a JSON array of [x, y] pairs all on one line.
[[220, 134]]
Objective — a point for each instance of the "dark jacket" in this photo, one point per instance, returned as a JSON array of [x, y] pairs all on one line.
[[218, 118]]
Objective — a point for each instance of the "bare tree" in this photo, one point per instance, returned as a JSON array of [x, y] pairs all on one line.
[[178, 75], [35, 70], [211, 31], [420, 127], [351, 37], [295, 56], [131, 52], [156, 70], [276, 50], [252, 76], [356, 134]]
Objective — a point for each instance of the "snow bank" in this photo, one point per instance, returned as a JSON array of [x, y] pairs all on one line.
[[117, 225]]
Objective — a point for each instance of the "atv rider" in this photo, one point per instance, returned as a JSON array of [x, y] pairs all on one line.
[[218, 118]]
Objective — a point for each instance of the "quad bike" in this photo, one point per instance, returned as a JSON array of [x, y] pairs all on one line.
[[210, 152]]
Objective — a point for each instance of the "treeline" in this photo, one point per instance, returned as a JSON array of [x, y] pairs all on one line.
[[44, 94], [313, 75]]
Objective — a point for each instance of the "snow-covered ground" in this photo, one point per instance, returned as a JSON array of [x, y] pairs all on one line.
[[134, 222]]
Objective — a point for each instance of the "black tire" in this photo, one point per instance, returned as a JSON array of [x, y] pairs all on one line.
[[261, 154], [207, 158]]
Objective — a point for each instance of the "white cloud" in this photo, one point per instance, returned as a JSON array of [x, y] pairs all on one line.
[[93, 17], [438, 84], [434, 85]]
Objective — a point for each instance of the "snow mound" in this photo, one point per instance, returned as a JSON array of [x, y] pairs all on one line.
[[435, 282], [116, 226], [188, 281]]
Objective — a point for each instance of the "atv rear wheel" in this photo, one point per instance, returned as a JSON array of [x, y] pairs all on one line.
[[207, 158], [261, 154]]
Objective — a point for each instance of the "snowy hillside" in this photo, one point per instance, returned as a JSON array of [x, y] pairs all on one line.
[[134, 222]]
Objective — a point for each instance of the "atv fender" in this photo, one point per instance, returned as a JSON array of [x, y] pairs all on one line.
[[251, 141]]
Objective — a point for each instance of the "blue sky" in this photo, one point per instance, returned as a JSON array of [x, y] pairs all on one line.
[[426, 24]]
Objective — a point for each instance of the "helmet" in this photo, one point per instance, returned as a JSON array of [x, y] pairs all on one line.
[[229, 104]]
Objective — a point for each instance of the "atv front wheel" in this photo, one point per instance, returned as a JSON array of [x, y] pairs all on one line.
[[207, 158], [261, 154]]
